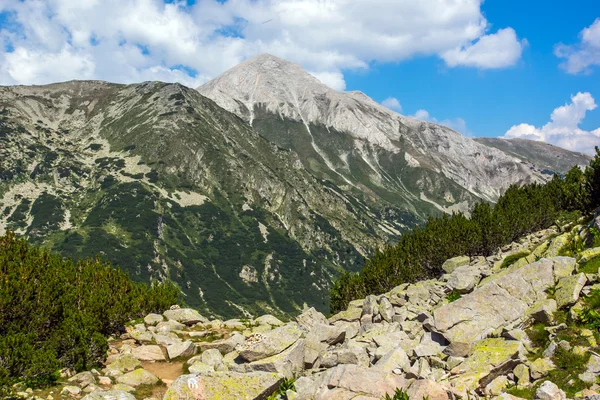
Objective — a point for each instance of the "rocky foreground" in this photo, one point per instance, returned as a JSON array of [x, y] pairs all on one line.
[[474, 333]]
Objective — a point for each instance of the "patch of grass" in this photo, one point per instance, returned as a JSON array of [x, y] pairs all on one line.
[[524, 393], [287, 384], [143, 391], [453, 296], [538, 336], [568, 367], [590, 313], [510, 260], [591, 266]]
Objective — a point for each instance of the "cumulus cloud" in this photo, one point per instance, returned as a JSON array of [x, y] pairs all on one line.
[[392, 103], [498, 50], [563, 129], [457, 124], [129, 40], [580, 57]]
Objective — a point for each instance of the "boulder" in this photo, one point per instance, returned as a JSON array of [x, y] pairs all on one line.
[[386, 309], [183, 349], [201, 369], [352, 314], [497, 386], [149, 353], [289, 363], [326, 333], [557, 244], [489, 359], [109, 395], [125, 363], [588, 254], [271, 343], [138, 377], [592, 370], [464, 279], [153, 319], [549, 391], [166, 327], [563, 267], [568, 290], [84, 379], [186, 316], [141, 336], [431, 345], [166, 339], [308, 318], [540, 368], [521, 373], [212, 357], [365, 381], [225, 346], [427, 389], [450, 265], [71, 390], [224, 385], [543, 311], [268, 320], [393, 359], [501, 300]]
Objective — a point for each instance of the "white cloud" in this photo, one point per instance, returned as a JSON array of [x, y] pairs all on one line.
[[457, 124], [498, 50], [563, 129], [582, 56], [128, 40], [392, 103]]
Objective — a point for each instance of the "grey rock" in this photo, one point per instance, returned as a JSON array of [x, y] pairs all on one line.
[[83, 379], [568, 290], [450, 265], [464, 279], [153, 319], [289, 363], [386, 309], [309, 317], [543, 311], [395, 358], [248, 386], [225, 346], [549, 391], [149, 353], [183, 350], [137, 378], [326, 333], [186, 316], [271, 343], [212, 357]]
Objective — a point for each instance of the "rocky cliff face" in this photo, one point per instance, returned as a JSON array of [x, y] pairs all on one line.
[[355, 141], [510, 326]]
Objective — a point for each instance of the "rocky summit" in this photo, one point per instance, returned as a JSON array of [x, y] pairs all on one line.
[[510, 326], [252, 202]]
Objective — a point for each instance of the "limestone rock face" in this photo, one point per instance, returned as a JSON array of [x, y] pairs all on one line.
[[271, 343], [224, 385]]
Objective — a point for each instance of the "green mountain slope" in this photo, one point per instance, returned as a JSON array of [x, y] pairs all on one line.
[[161, 181]]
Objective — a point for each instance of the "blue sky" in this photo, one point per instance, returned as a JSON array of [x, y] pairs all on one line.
[[497, 68]]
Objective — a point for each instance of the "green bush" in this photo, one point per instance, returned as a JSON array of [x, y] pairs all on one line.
[[56, 314], [521, 210]]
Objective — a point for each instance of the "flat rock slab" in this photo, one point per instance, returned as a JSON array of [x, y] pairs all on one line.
[[149, 353], [270, 343], [224, 385], [225, 346], [496, 303], [486, 356]]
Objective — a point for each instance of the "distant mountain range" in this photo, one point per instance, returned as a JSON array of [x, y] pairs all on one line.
[[251, 192]]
